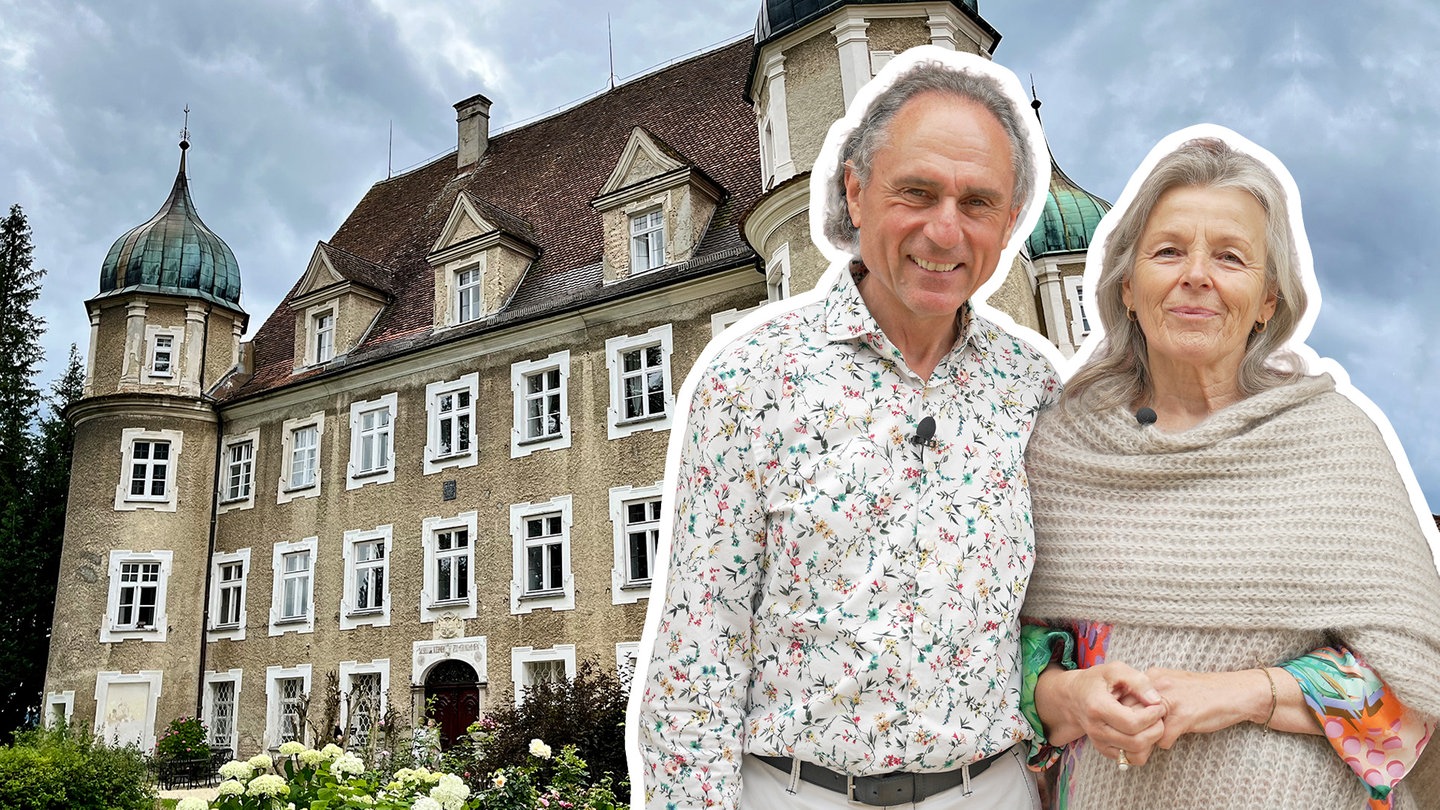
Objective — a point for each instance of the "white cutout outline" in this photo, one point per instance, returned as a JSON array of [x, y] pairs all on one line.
[[822, 175]]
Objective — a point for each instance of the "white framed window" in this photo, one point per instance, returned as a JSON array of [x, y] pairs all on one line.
[[449, 582], [529, 666], [542, 409], [300, 473], [647, 240], [125, 707], [292, 596], [135, 609], [237, 471], [219, 708], [229, 574], [468, 294], [148, 462], [635, 516], [640, 396], [322, 336], [59, 708], [366, 597], [450, 438], [362, 698], [540, 535], [162, 355], [777, 274], [627, 661], [1079, 319], [287, 699], [372, 442]]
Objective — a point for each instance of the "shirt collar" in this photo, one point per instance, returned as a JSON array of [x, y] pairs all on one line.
[[848, 319]]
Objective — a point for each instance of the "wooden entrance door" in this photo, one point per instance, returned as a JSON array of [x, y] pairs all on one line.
[[452, 690]]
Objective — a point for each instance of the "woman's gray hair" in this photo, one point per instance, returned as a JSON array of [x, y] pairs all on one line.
[[1118, 374], [871, 133]]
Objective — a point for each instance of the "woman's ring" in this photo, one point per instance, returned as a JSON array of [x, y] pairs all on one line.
[[1123, 761]]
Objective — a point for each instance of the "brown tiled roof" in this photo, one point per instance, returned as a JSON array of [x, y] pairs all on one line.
[[539, 179], [353, 268]]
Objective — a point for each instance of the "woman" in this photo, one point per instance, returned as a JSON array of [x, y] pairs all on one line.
[[1232, 530]]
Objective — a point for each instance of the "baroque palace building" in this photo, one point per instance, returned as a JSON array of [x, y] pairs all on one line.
[[433, 474]]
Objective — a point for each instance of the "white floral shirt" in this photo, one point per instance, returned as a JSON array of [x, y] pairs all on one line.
[[834, 593]]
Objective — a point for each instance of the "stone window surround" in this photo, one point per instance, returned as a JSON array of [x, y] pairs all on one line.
[[314, 330], [354, 476], [170, 376], [434, 462], [284, 493], [521, 656], [1074, 291], [463, 609], [306, 623], [235, 676], [777, 274], [661, 336], [350, 618], [520, 445], [65, 701], [226, 443], [124, 501], [152, 678], [273, 676], [627, 655], [622, 591], [564, 597], [348, 671], [236, 632], [108, 632]]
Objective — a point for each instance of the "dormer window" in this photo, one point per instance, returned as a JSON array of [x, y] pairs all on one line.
[[647, 240], [161, 352], [467, 295], [654, 208], [322, 326]]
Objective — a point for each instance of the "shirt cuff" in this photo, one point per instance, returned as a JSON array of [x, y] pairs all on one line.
[[1041, 646], [1371, 731]]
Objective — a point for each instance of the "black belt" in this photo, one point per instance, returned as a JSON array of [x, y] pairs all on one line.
[[886, 788]]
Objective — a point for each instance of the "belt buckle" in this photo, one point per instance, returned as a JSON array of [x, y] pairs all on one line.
[[850, 792]]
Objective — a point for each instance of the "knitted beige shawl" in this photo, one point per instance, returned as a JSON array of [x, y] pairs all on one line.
[[1278, 522]]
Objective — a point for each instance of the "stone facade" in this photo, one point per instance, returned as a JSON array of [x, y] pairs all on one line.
[[526, 438]]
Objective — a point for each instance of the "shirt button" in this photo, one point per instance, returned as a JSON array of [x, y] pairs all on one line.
[[927, 628]]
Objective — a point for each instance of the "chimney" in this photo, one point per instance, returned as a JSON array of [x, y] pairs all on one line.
[[473, 116]]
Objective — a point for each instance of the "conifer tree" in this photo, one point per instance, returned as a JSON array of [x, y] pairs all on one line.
[[20, 355]]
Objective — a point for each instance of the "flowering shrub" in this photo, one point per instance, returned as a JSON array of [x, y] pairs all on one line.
[[515, 787], [331, 779], [587, 712], [186, 738]]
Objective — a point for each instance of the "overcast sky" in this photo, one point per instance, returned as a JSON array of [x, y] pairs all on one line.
[[292, 103]]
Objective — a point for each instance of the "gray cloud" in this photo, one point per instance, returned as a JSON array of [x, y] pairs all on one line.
[[292, 106]]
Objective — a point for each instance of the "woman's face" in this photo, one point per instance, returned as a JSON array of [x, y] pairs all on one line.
[[1198, 286]]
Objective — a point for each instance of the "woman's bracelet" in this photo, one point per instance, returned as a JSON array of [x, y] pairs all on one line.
[[1274, 697]]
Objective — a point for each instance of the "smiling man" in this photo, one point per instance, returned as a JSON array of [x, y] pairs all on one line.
[[852, 533]]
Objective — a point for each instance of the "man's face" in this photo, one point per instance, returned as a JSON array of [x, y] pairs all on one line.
[[936, 212]]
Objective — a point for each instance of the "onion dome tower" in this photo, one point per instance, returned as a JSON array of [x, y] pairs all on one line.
[[173, 253], [1057, 247], [126, 650]]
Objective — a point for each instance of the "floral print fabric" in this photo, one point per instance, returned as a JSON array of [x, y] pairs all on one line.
[[1366, 725], [836, 592]]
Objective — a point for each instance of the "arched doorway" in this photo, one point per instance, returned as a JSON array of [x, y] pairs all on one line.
[[452, 690]]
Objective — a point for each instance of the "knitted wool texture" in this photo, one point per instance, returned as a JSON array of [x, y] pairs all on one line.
[[1277, 525]]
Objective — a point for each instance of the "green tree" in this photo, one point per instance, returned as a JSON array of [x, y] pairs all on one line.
[[20, 355]]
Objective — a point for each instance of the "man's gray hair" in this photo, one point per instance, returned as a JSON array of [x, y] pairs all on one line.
[[1118, 374], [926, 76]]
